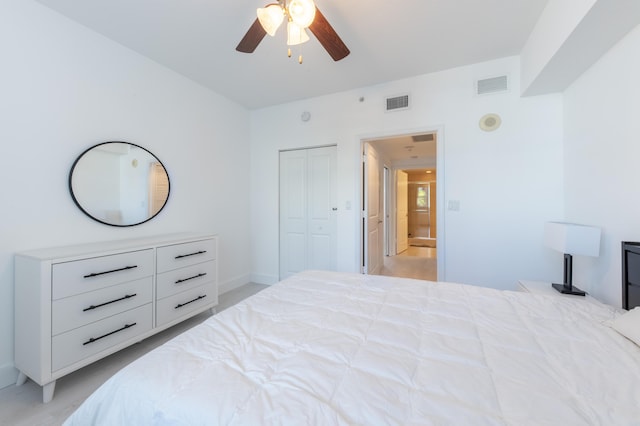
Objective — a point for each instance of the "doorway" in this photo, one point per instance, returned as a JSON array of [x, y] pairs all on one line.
[[422, 207], [406, 175]]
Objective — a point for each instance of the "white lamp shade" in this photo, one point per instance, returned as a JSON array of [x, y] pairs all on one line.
[[296, 34], [571, 238], [302, 12], [270, 18]]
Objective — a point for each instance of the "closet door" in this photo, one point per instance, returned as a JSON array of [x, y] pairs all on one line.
[[307, 210]]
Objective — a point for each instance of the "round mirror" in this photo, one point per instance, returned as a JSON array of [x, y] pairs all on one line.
[[119, 184]]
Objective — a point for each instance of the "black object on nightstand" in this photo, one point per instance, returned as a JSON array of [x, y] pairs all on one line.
[[567, 287]]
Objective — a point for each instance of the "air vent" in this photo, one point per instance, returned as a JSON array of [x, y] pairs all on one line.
[[398, 103], [423, 138], [492, 85]]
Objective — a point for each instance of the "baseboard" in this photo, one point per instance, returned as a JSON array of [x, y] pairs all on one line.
[[233, 283], [264, 279], [8, 375]]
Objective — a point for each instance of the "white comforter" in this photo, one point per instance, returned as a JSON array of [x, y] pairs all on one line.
[[325, 348]]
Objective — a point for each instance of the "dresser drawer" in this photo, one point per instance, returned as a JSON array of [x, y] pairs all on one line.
[[90, 274], [85, 308], [181, 255], [75, 345], [182, 279], [181, 304]]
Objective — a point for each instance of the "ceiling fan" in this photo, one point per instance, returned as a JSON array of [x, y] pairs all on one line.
[[300, 15]]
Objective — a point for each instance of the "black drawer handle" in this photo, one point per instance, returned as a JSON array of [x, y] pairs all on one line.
[[127, 296], [190, 301], [95, 274], [95, 339], [190, 254], [202, 274]]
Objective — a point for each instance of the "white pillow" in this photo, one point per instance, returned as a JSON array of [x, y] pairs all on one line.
[[628, 324]]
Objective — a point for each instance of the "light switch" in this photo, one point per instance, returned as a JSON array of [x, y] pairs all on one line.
[[454, 205], [348, 205]]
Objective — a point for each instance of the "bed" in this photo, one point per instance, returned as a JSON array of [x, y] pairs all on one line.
[[330, 348]]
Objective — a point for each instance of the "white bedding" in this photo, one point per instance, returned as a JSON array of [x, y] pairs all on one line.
[[333, 348]]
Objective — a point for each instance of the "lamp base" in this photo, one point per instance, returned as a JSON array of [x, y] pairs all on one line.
[[565, 289]]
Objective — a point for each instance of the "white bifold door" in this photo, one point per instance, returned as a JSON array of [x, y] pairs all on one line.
[[308, 210]]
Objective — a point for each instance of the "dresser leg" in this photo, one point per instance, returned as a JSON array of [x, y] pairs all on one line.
[[47, 392], [22, 378]]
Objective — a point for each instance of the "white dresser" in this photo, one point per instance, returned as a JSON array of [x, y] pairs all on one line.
[[77, 304]]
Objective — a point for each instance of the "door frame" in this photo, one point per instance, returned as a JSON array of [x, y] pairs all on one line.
[[440, 192]]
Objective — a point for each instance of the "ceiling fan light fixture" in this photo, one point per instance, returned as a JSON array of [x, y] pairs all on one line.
[[296, 34], [302, 12], [305, 15], [271, 17]]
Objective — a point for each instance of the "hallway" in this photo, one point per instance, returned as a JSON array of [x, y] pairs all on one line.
[[414, 262]]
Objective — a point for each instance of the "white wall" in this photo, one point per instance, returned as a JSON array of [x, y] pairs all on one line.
[[602, 159], [508, 182], [64, 88]]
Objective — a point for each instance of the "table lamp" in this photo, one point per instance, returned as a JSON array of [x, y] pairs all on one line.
[[571, 239]]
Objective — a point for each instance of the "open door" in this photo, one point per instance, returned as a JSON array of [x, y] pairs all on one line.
[[372, 213], [402, 211]]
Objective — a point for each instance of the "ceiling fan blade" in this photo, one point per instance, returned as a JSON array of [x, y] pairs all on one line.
[[252, 38], [327, 37]]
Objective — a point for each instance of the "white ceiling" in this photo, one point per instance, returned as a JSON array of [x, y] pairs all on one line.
[[389, 40]]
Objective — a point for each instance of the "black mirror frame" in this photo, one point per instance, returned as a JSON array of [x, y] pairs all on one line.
[[77, 203]]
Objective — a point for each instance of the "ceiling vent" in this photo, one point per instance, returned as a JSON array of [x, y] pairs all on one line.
[[398, 103], [492, 85], [423, 138]]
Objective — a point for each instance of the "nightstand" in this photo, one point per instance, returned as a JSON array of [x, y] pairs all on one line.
[[542, 287]]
